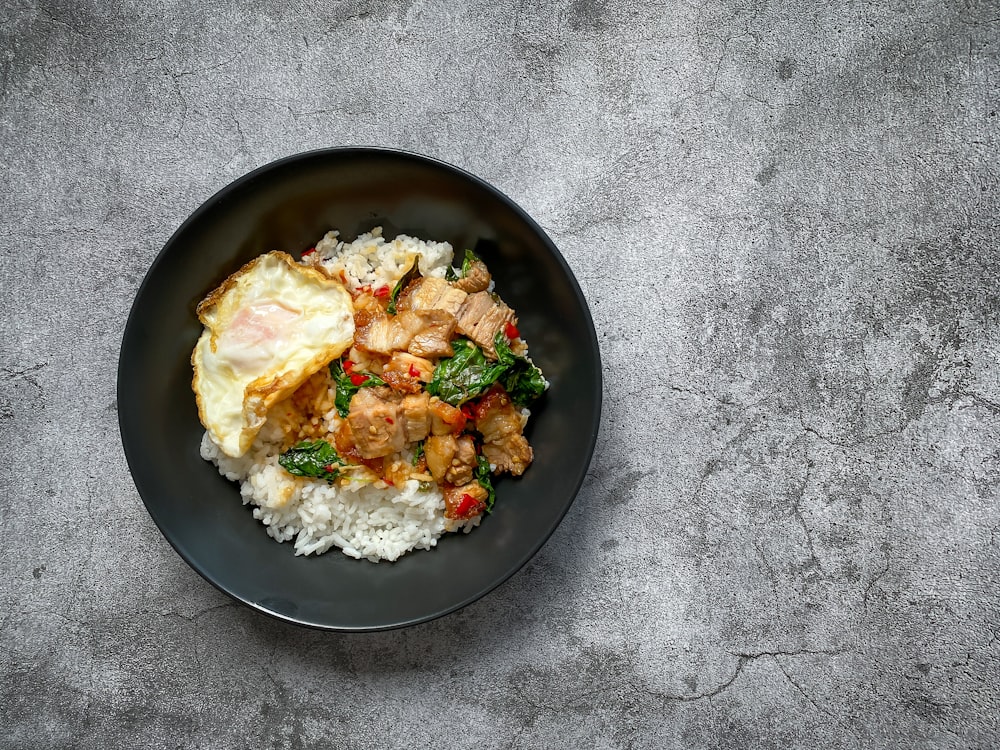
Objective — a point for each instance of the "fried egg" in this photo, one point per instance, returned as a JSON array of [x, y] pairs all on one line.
[[268, 328]]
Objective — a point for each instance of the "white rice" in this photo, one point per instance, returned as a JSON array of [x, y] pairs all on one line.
[[370, 260], [364, 519]]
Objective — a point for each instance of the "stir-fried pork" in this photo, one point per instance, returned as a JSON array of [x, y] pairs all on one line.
[[476, 280], [377, 332], [445, 418], [463, 464], [424, 333], [439, 450], [464, 501], [499, 422], [375, 422], [431, 293], [343, 440], [406, 373], [404, 349], [450, 459], [480, 317], [416, 416], [433, 337]]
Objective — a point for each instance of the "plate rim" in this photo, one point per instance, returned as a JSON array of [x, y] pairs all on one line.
[[588, 448]]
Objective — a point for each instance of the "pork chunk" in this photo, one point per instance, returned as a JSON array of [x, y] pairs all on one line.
[[476, 280], [431, 293], [455, 504], [406, 373], [463, 464], [445, 418], [439, 450], [433, 337], [416, 416], [378, 333], [375, 422], [449, 459], [499, 422], [480, 317]]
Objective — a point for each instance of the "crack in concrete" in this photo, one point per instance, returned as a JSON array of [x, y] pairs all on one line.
[[797, 512], [199, 614], [874, 580], [13, 373], [742, 660], [810, 699]]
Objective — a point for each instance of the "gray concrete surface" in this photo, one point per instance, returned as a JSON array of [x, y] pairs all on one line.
[[785, 218]]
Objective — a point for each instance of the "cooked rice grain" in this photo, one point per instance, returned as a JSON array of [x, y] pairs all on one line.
[[362, 519]]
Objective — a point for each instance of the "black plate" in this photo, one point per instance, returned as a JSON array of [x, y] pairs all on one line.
[[288, 205]]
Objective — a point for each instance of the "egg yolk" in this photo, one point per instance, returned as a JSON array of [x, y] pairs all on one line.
[[256, 334]]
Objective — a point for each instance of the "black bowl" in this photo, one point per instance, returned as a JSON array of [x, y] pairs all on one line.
[[288, 205]]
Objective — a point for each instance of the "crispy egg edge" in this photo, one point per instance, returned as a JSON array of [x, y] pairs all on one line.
[[264, 392]]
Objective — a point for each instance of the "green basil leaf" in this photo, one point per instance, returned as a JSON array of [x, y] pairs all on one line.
[[465, 375], [316, 459], [522, 380], [485, 479], [345, 389], [406, 278], [467, 261], [504, 353]]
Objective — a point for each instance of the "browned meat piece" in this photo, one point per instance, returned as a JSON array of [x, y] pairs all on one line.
[[464, 502], [416, 416], [377, 332], [477, 280], [499, 422], [406, 373], [433, 338], [440, 450], [425, 333], [514, 455], [450, 459], [445, 418], [480, 317], [375, 422], [409, 321], [430, 293], [464, 462], [343, 440]]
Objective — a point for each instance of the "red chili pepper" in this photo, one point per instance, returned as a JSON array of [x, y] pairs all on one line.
[[389, 420], [467, 503], [511, 331], [348, 366], [414, 372], [310, 251], [382, 291], [357, 379], [329, 467], [467, 411]]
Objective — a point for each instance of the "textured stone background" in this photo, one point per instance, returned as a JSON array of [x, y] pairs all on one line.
[[785, 219]]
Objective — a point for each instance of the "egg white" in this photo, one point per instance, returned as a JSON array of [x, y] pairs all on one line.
[[268, 328]]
